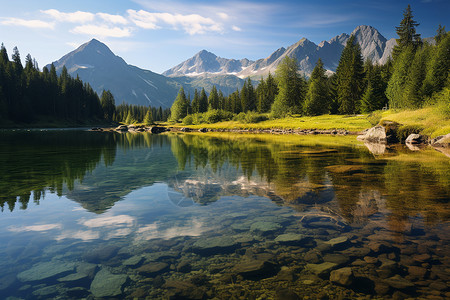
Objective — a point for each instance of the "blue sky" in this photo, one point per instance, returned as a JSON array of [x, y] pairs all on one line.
[[157, 34]]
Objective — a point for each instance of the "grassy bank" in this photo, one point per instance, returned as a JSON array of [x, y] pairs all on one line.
[[432, 121], [324, 122]]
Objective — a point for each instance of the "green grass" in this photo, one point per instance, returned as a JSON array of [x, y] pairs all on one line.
[[324, 122], [433, 121]]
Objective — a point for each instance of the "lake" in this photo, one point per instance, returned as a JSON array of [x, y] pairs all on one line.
[[225, 216]]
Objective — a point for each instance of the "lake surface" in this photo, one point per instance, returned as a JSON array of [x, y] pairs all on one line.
[[201, 216]]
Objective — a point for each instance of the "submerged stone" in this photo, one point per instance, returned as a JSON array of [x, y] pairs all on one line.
[[343, 276], [336, 242], [46, 270], [399, 282], [133, 261], [153, 268], [264, 227], [210, 246], [290, 238], [256, 269], [106, 284], [322, 269]]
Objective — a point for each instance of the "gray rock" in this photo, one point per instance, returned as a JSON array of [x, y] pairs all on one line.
[[337, 242], [106, 284], [415, 138], [343, 276], [313, 257], [203, 130], [122, 128], [399, 282], [153, 268], [157, 129], [263, 227], [47, 291], [101, 254], [322, 269], [46, 270], [256, 269], [338, 259], [375, 134], [214, 245], [290, 238], [133, 261], [441, 141]]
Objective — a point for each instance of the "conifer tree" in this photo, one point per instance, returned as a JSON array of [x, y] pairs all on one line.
[[179, 108], [291, 89], [412, 96], [203, 102], [350, 78], [213, 99], [148, 119], [407, 35], [397, 82], [440, 34], [438, 68], [317, 98], [108, 104], [195, 102]]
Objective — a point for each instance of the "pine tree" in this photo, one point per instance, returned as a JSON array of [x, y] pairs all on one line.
[[412, 96], [203, 102], [108, 104], [438, 68], [407, 35], [213, 99], [350, 78], [440, 34], [397, 82], [179, 107], [148, 119], [317, 98], [291, 89], [195, 102]]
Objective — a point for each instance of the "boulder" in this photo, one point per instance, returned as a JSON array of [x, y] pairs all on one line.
[[256, 269], [343, 276], [441, 141], [203, 130], [122, 128], [153, 268], [398, 282], [185, 129], [415, 138], [263, 227], [385, 133], [106, 284], [321, 270], [46, 270], [157, 129], [290, 239], [214, 245]]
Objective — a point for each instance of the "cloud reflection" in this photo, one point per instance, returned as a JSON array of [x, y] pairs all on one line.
[[37, 228]]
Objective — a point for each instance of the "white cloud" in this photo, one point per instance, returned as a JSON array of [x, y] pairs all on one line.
[[120, 220], [74, 17], [115, 19], [223, 15], [236, 28], [102, 31], [192, 23], [28, 23], [37, 228]]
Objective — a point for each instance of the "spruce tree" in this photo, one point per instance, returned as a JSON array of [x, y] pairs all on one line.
[[317, 98], [179, 108], [291, 89], [438, 68], [203, 102], [148, 119], [350, 78], [407, 35], [195, 102], [108, 104], [213, 99], [398, 80]]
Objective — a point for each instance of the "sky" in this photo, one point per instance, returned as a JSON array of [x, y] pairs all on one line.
[[157, 35]]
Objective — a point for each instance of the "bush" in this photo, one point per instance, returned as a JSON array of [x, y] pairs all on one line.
[[188, 120], [216, 115], [250, 117], [374, 117], [404, 131]]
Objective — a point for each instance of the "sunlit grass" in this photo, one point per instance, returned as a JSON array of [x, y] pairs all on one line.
[[431, 119], [324, 122]]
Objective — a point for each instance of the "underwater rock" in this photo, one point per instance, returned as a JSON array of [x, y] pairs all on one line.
[[337, 242], [321, 270], [47, 291], [286, 294], [343, 276], [184, 267], [290, 238], [153, 268], [106, 284], [388, 268], [399, 282], [417, 272], [101, 254], [184, 290], [46, 270], [214, 245], [336, 258], [133, 261], [263, 227], [313, 257], [256, 269]]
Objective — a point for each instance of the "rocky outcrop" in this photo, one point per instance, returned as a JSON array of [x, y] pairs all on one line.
[[122, 128], [385, 133], [157, 129], [441, 141]]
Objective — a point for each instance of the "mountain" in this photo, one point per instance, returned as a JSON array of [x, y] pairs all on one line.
[[373, 46], [207, 62], [96, 64]]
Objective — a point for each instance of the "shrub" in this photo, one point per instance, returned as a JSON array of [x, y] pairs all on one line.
[[374, 117], [216, 115], [404, 131], [188, 120]]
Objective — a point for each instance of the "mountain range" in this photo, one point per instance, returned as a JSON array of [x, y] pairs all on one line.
[[96, 64]]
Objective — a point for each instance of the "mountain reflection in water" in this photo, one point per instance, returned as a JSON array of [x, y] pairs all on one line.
[[162, 210]]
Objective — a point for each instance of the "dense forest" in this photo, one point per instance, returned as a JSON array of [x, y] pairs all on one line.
[[416, 76]]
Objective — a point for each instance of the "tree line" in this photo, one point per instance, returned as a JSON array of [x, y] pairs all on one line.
[[28, 95], [417, 75]]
